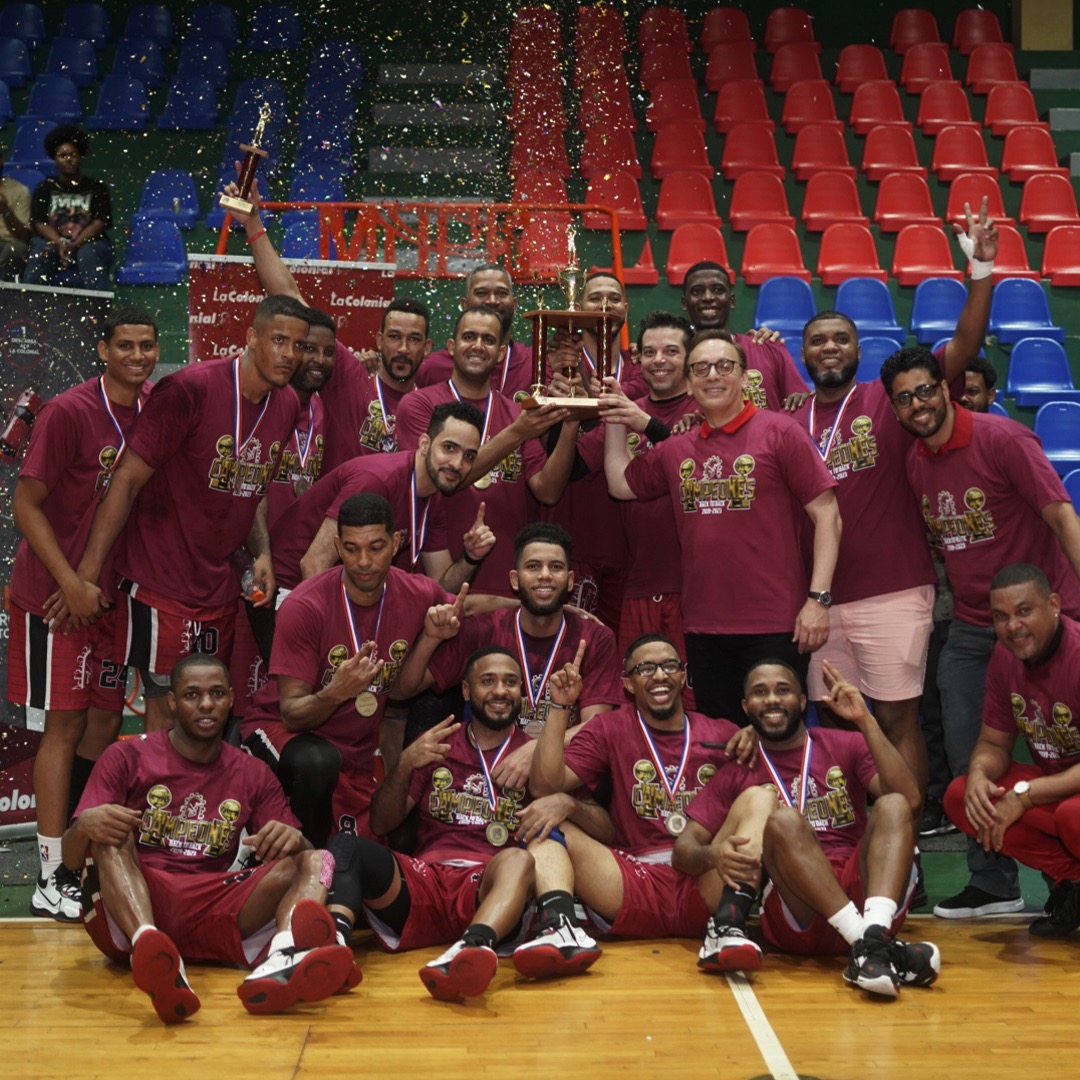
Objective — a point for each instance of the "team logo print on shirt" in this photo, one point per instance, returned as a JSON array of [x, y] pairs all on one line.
[[377, 431], [648, 797], [714, 492], [468, 804], [189, 831], [1054, 741], [509, 469], [107, 461], [952, 530], [384, 680], [753, 390], [859, 452], [831, 810], [247, 477], [289, 471]]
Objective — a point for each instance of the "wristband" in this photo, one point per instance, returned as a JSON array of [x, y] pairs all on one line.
[[656, 431], [470, 560], [554, 705], [981, 268], [252, 239]]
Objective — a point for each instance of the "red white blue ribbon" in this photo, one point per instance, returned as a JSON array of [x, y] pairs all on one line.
[[350, 617], [417, 533], [535, 696], [804, 774], [833, 430], [116, 423], [672, 788], [489, 784]]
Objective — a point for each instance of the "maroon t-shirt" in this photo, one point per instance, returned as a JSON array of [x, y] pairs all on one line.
[[508, 379], [981, 496], [867, 457], [200, 504], [455, 803], [301, 460], [738, 493], [841, 769], [771, 374], [72, 451], [192, 813], [1040, 701], [613, 745]]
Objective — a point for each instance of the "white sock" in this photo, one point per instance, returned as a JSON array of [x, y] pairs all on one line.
[[848, 923], [142, 929], [49, 854], [879, 911], [283, 939]]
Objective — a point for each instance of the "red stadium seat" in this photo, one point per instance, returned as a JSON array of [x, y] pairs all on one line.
[[859, 64], [943, 105], [728, 63], [819, 147], [602, 22], [831, 197], [539, 186], [537, 149], [876, 103], [606, 102], [959, 150], [925, 65], [989, 65], [904, 199], [685, 197], [620, 191], [1012, 258], [913, 26], [847, 251], [1010, 105], [662, 26], [792, 64], [538, 103], [922, 251], [1048, 200], [674, 101], [1029, 151], [1061, 256], [758, 198], [542, 244], [890, 149], [680, 148], [660, 62], [786, 25], [741, 101], [749, 147], [972, 188], [772, 251], [692, 243], [726, 25], [976, 26], [607, 150], [809, 101]]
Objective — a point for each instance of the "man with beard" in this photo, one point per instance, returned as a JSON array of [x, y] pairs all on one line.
[[656, 757], [989, 498], [882, 595], [467, 881], [980, 381], [1031, 812], [839, 882]]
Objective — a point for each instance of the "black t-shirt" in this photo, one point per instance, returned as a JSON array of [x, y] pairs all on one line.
[[70, 206]]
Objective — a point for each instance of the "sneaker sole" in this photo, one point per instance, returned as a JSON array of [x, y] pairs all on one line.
[[939, 830], [928, 975], [47, 912], [733, 958], [548, 962], [882, 986], [155, 967], [469, 975], [318, 976], [312, 928], [1001, 907]]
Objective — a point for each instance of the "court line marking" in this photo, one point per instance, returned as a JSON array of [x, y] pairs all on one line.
[[772, 1053]]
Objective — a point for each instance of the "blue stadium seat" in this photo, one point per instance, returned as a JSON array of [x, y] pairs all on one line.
[[150, 22], [170, 193], [190, 106], [935, 309], [155, 253], [214, 20], [6, 112], [274, 28], [938, 347], [869, 305], [312, 187], [15, 69], [1039, 372], [1019, 309], [301, 239], [87, 21], [1071, 480], [25, 22], [338, 58], [27, 148], [122, 105], [139, 58], [785, 304], [215, 216], [998, 409], [873, 352], [204, 58], [29, 178], [252, 94], [75, 58], [1057, 423], [54, 97]]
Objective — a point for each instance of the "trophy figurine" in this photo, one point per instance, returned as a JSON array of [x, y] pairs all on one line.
[[572, 320], [252, 156]]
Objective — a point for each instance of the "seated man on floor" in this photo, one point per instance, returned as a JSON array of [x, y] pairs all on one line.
[[162, 817], [838, 881], [657, 756], [472, 877], [1031, 812]]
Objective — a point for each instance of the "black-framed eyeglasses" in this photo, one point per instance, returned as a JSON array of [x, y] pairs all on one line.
[[648, 668], [924, 393], [700, 368]]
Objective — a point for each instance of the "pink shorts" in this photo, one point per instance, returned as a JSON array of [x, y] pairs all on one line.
[[783, 932], [654, 615], [199, 911], [658, 901], [64, 671], [879, 644]]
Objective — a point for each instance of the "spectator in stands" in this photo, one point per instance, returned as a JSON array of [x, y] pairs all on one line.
[[14, 224], [71, 214], [980, 379]]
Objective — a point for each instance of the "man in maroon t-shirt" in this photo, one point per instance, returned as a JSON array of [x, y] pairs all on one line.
[[472, 874], [162, 817]]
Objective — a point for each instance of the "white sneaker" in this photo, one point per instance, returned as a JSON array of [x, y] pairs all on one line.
[[561, 948], [462, 971], [727, 948], [291, 975], [58, 898]]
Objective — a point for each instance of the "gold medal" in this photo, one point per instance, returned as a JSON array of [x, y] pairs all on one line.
[[497, 834], [484, 481], [367, 704], [675, 823], [534, 729]]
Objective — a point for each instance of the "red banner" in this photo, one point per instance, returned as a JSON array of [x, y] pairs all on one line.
[[224, 289]]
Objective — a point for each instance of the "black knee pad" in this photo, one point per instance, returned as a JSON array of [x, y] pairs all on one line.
[[363, 870]]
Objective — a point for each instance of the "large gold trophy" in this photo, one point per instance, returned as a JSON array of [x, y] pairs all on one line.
[[253, 155], [572, 320]]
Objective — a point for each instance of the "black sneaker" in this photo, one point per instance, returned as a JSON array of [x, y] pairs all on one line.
[[60, 897], [934, 821], [973, 903], [916, 963], [1065, 917], [1057, 895], [870, 966]]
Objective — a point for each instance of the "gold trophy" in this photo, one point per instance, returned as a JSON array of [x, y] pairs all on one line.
[[252, 156], [572, 319]]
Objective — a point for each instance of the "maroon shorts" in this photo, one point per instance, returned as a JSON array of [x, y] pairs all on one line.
[[658, 901], [64, 671], [654, 615], [819, 938], [247, 668], [199, 911]]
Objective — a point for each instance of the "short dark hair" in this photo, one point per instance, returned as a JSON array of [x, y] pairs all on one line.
[[67, 133], [646, 639], [286, 306], [480, 309], [454, 410], [714, 334], [127, 316], [593, 275], [485, 269], [829, 313], [666, 320], [409, 306], [315, 317], [359, 511], [543, 532], [196, 659], [488, 650], [904, 360], [981, 366], [770, 661], [705, 264], [1021, 573]]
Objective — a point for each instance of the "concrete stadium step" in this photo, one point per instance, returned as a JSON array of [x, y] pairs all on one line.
[[439, 75], [416, 159], [437, 114]]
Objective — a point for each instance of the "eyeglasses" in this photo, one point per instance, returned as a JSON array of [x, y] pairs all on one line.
[[700, 368], [647, 669], [923, 393]]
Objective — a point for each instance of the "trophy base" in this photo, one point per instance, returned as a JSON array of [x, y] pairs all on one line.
[[582, 408], [233, 202]]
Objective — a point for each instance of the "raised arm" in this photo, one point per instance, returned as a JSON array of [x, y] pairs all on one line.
[[979, 243]]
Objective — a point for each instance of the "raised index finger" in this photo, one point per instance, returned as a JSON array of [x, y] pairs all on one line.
[[480, 515], [580, 654]]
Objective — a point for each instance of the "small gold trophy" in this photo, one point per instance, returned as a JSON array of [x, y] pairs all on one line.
[[572, 319], [253, 154]]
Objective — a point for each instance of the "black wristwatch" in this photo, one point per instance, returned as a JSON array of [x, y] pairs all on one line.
[[823, 598]]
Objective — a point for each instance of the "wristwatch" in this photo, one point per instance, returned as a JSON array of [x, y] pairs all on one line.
[[1022, 790], [823, 598]]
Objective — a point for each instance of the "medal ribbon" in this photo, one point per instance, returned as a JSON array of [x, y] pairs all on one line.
[[804, 774], [389, 425], [303, 446], [238, 446], [350, 616], [523, 654], [487, 409], [489, 784], [115, 423], [673, 787], [417, 534], [592, 364], [835, 428]]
